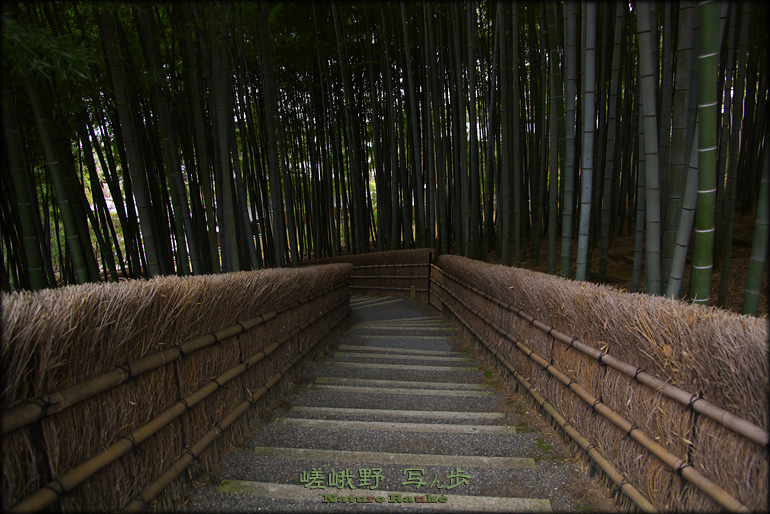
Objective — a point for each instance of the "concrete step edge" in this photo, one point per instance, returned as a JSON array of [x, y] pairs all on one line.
[[395, 427], [438, 414], [421, 459], [399, 383], [389, 499], [401, 391], [404, 367], [396, 356], [367, 348]]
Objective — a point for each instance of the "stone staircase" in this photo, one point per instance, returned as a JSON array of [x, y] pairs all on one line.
[[396, 417]]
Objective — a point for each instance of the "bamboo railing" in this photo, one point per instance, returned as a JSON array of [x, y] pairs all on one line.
[[31, 412], [678, 465]]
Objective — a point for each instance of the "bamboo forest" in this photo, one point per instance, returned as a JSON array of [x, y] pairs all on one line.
[[145, 138]]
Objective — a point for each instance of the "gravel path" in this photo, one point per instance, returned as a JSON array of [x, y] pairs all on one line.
[[400, 416]]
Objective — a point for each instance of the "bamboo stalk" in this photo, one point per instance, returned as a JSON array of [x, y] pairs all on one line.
[[605, 465], [50, 493], [28, 412], [686, 470], [735, 423]]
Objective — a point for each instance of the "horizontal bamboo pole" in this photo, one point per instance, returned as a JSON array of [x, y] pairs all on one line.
[[686, 470], [142, 500], [605, 465], [28, 412], [727, 419], [67, 482], [369, 266], [375, 288]]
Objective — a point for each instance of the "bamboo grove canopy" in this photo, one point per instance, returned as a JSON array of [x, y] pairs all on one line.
[[146, 138]]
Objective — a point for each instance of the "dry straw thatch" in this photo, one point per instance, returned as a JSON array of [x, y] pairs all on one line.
[[721, 356], [55, 339]]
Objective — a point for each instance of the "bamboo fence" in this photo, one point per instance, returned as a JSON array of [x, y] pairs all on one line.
[[108, 389], [404, 273], [574, 342]]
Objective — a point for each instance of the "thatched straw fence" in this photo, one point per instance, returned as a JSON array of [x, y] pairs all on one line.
[[404, 273], [116, 396], [668, 399]]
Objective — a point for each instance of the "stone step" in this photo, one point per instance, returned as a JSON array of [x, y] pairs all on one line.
[[378, 303], [405, 367], [404, 327], [405, 322], [383, 399], [368, 348], [396, 355], [399, 383], [390, 499], [407, 459], [396, 397], [398, 390], [437, 428], [400, 336], [430, 442], [395, 413]]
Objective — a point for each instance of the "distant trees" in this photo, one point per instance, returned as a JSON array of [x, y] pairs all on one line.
[[236, 136]]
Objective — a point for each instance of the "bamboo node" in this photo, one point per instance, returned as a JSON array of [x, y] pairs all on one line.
[[138, 499], [58, 492], [628, 434], [601, 356], [571, 343], [126, 368], [593, 405], [188, 451], [182, 353], [694, 398], [682, 466], [130, 439], [635, 378], [619, 488], [44, 403]]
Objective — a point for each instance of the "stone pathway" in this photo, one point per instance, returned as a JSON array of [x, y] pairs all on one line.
[[400, 416]]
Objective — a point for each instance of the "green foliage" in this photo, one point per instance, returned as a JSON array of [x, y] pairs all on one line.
[[543, 445], [57, 58]]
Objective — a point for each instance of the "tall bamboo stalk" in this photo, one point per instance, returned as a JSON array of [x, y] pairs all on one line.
[[703, 241], [589, 102], [759, 245], [651, 148]]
